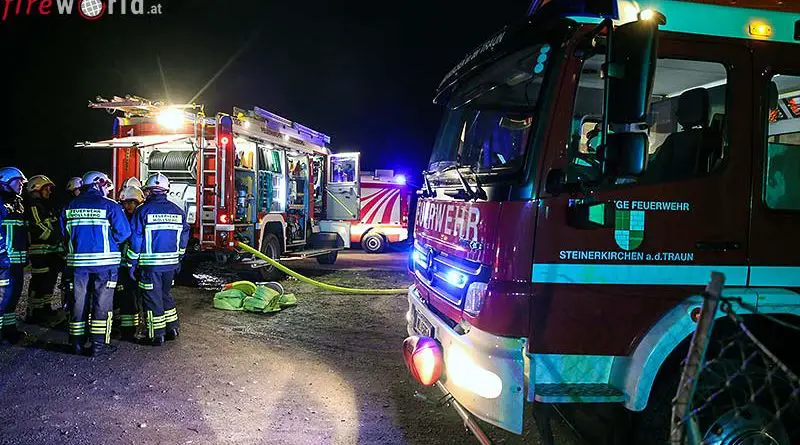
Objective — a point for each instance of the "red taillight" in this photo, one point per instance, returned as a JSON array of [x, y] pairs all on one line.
[[424, 359], [224, 218]]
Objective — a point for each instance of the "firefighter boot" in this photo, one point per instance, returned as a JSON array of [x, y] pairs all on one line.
[[172, 334], [11, 335], [158, 340], [100, 349], [127, 333], [76, 346]]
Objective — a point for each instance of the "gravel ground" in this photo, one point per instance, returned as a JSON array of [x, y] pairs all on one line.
[[328, 371]]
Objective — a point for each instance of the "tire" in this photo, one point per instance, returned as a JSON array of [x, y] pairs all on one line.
[[328, 258], [373, 243], [271, 247], [717, 419]]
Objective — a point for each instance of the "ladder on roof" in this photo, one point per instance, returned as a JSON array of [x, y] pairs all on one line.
[[133, 105]]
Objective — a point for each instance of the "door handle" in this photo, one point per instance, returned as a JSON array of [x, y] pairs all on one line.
[[718, 246]]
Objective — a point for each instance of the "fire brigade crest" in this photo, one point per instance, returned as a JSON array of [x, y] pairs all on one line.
[[629, 229]]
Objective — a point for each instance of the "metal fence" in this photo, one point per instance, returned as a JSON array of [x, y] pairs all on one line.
[[736, 387]]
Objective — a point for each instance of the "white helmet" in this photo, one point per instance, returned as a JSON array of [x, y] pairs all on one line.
[[157, 183], [131, 193], [8, 174], [132, 182], [74, 184], [99, 180]]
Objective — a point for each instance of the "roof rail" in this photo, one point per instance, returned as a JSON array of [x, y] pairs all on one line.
[[285, 126]]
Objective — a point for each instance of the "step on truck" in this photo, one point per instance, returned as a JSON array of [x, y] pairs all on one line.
[[596, 162], [250, 176]]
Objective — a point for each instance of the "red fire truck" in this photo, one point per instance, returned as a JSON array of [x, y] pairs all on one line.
[[381, 217], [596, 162], [252, 176]]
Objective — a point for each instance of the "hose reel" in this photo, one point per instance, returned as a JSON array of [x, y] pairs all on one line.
[[174, 164]]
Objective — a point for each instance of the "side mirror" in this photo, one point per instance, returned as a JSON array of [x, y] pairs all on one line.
[[591, 215], [625, 154], [632, 52]]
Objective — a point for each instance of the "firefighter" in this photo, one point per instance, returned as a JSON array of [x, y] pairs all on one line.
[[74, 186], [94, 227], [13, 251], [159, 234], [74, 189], [45, 247], [126, 298]]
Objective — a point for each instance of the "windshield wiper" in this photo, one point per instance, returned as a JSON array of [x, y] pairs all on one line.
[[466, 192], [428, 191]]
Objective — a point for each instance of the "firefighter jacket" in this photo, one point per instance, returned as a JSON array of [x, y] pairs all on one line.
[[13, 231], [160, 234], [43, 227], [126, 247], [94, 227]]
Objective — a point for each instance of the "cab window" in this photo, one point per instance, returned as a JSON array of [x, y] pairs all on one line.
[[782, 172], [687, 121], [343, 170]]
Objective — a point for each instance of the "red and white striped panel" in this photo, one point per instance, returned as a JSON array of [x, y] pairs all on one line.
[[380, 205]]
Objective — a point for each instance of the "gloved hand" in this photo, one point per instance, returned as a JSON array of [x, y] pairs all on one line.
[[132, 272]]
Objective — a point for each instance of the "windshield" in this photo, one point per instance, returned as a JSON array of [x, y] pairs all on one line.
[[489, 119]]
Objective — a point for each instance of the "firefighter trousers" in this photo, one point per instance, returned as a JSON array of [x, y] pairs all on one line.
[[44, 275], [159, 306], [92, 305], [11, 281], [127, 304]]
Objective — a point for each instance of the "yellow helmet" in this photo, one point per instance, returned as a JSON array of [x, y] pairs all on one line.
[[37, 183], [131, 193]]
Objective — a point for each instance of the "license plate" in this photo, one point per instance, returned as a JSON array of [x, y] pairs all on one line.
[[422, 326]]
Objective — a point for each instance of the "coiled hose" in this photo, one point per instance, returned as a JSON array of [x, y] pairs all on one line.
[[173, 161], [305, 279]]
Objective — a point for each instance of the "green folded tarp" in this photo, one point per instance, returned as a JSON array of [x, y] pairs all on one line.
[[263, 299]]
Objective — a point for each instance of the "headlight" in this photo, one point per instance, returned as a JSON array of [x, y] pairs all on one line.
[[476, 294]]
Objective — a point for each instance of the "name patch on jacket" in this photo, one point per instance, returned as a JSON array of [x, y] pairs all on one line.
[[164, 218], [86, 213]]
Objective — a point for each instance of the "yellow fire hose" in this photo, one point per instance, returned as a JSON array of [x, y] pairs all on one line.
[[330, 287]]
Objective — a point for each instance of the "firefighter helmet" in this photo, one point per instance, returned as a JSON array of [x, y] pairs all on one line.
[[99, 180], [132, 182], [8, 174], [74, 184], [131, 193], [37, 183], [157, 183]]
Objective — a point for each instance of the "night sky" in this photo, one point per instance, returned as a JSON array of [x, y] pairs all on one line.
[[363, 73]]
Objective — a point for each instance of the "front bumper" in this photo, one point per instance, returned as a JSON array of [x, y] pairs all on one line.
[[485, 373]]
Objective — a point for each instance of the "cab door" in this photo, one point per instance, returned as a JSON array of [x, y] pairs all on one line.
[[599, 290], [343, 194], [776, 171]]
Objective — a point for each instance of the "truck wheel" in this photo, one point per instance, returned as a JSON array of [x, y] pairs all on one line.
[[737, 405], [328, 258], [271, 247], [373, 243]]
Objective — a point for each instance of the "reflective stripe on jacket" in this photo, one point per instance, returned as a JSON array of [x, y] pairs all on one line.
[[45, 235], [13, 232], [94, 227], [159, 235]]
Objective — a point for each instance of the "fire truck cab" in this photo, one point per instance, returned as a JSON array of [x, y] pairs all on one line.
[[596, 163], [381, 216], [252, 176]]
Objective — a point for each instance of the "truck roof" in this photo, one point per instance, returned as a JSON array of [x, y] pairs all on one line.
[[258, 124], [732, 19]]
